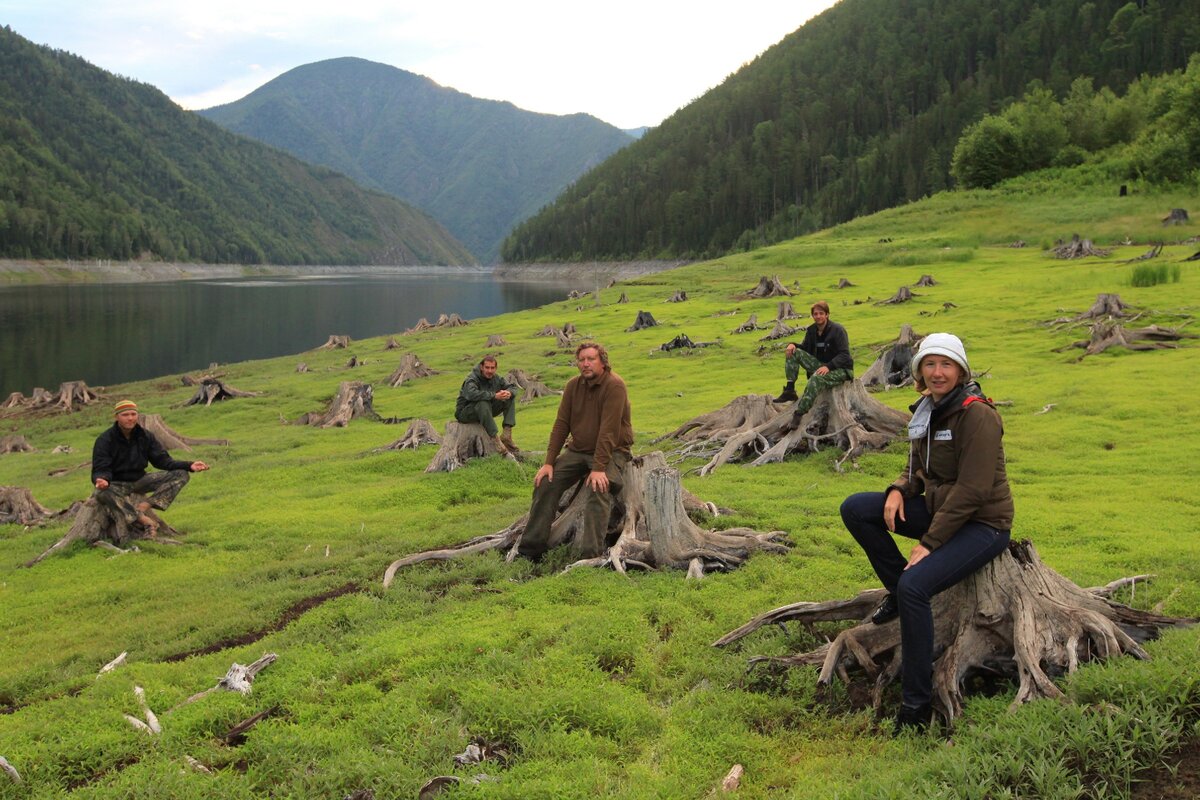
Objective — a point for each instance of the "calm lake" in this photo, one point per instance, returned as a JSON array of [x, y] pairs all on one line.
[[111, 333]]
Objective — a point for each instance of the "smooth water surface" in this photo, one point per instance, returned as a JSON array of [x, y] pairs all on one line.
[[116, 332]]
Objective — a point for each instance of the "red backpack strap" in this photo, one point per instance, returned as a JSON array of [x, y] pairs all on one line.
[[974, 397]]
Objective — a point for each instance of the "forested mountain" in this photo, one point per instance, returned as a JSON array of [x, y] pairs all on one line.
[[478, 166], [858, 110], [97, 166]]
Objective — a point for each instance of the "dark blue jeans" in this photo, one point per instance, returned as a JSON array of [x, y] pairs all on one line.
[[974, 545]]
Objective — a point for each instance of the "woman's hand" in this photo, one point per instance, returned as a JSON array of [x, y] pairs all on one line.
[[893, 505], [918, 553]]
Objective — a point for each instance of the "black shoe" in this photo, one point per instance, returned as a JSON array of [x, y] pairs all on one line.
[[888, 610], [788, 395], [915, 720]]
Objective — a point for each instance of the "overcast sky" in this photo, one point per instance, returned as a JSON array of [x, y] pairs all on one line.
[[628, 62]]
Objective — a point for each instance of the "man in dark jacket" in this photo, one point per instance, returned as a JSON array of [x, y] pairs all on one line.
[[485, 395], [825, 356], [119, 460]]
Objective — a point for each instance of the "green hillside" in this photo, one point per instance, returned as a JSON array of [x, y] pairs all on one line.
[[602, 685], [93, 166], [857, 111], [478, 166]]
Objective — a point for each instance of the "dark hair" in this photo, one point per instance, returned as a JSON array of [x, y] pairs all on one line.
[[599, 348], [487, 358], [821, 304]]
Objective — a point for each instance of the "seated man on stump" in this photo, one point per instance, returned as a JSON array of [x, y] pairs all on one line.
[[825, 356], [594, 411], [119, 460], [483, 397]]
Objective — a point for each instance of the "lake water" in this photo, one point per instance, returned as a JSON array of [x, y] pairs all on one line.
[[111, 333]]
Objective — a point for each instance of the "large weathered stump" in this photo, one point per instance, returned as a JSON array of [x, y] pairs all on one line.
[[679, 296], [1015, 616], [844, 416], [495, 340], [15, 443], [71, 394], [212, 390], [1078, 248], [422, 325], [650, 528], [14, 400], [1113, 334], [531, 387], [354, 400], [411, 367], [749, 326], [171, 439], [902, 295], [769, 287], [926, 280], [644, 319], [786, 311], [450, 321], [461, 443], [96, 524], [893, 367], [781, 331], [17, 507]]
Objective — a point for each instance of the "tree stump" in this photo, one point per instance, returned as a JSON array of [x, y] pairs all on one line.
[[1178, 216], [679, 296], [902, 295], [1154, 252], [749, 326], [1106, 334], [682, 342], [354, 400], [650, 528], [769, 287], [419, 432], [15, 400], [355, 362], [786, 311], [781, 331], [624, 298], [302, 367], [1015, 616], [17, 507], [391, 344], [844, 283], [15, 443], [531, 387], [1078, 248], [450, 321], [462, 442], [926, 280], [172, 440], [893, 367], [213, 390], [422, 325], [1106, 307], [495, 340], [96, 525], [562, 336], [70, 394], [411, 367], [336, 342], [644, 320], [844, 416]]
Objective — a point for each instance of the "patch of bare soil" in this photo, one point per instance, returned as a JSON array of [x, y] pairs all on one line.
[[1182, 784]]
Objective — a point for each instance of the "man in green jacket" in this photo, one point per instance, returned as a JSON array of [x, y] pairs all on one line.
[[483, 397], [594, 412]]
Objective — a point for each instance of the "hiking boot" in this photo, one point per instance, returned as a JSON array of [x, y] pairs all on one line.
[[499, 445], [507, 440], [887, 611], [149, 525], [913, 719], [788, 394]]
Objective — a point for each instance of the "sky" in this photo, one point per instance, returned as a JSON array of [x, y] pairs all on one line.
[[628, 62]]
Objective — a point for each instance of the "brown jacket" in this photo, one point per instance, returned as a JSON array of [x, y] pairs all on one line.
[[959, 465], [596, 414]]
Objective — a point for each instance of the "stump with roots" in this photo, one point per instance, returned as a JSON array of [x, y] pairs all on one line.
[[844, 283], [562, 336], [422, 325], [495, 340], [786, 311], [336, 342], [749, 326], [169, 438], [450, 321], [1178, 216], [781, 331], [1015, 616], [650, 528], [902, 295], [644, 320], [302, 367], [769, 287], [893, 367], [420, 432], [462, 442], [926, 280], [624, 298], [212, 390], [1106, 334], [1078, 248], [15, 443], [753, 429], [71, 395], [17, 507], [15, 400], [97, 525], [354, 400], [531, 387], [1107, 306], [679, 296], [391, 344], [682, 342], [411, 367]]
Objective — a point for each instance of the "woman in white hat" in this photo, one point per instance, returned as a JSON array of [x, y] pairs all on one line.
[[953, 497]]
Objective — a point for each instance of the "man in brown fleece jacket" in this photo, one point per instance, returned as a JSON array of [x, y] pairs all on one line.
[[594, 412]]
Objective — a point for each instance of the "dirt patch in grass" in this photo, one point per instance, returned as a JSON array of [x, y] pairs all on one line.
[[1182, 784]]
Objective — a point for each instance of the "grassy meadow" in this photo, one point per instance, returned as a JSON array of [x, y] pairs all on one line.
[[602, 685]]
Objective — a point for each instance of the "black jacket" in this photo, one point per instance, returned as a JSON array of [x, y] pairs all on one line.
[[116, 458], [831, 348]]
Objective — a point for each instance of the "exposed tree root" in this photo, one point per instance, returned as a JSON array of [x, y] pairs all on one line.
[[1113, 334], [749, 326], [172, 440]]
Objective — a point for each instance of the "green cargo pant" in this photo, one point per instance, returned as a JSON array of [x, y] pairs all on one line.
[[570, 469], [484, 412], [802, 358]]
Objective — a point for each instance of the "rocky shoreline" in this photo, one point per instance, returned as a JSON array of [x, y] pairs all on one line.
[[591, 271]]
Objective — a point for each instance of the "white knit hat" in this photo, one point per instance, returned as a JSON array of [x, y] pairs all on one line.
[[942, 344]]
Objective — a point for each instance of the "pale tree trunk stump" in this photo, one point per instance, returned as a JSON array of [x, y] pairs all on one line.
[[786, 311], [844, 283], [463, 442], [781, 331], [531, 387], [212, 390], [71, 394], [450, 321], [17, 507], [1113, 334], [15, 443], [336, 342], [172, 440], [893, 367], [749, 326], [624, 298], [769, 287], [420, 432], [650, 528], [495, 340], [354, 400], [15, 400], [926, 280], [391, 344], [1015, 616], [902, 295], [97, 525], [422, 325], [411, 368]]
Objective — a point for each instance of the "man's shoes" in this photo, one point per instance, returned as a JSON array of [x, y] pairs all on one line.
[[498, 443], [149, 524], [887, 611], [788, 394], [507, 440], [913, 719]]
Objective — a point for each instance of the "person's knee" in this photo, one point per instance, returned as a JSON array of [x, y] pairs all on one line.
[[181, 475], [911, 591], [857, 507]]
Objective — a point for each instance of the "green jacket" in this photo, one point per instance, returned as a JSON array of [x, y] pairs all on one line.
[[476, 388], [958, 463]]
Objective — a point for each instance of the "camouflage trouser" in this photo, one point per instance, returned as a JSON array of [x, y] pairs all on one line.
[[164, 486], [484, 411], [801, 358]]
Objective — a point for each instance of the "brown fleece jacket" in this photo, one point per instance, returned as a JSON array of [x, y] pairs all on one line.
[[596, 414]]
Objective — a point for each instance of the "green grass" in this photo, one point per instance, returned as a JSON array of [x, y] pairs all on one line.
[[602, 685]]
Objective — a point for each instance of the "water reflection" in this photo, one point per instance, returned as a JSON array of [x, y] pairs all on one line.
[[112, 333]]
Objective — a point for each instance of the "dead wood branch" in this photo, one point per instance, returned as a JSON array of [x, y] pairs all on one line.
[[1078, 248], [238, 679], [531, 387], [110, 666], [1153, 252], [769, 287], [212, 390], [15, 443], [172, 440], [9, 770], [644, 320], [463, 442], [336, 342], [411, 368]]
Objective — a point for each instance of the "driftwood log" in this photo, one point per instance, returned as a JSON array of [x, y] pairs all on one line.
[[15, 443], [495, 340], [644, 320], [1178, 216], [354, 400], [769, 287], [461, 443], [749, 326], [336, 342], [95, 524], [893, 367], [171, 439], [926, 280], [650, 528], [1016, 616], [420, 431], [1106, 334], [212, 390], [751, 428], [902, 295], [1078, 248], [531, 387], [411, 367], [17, 507]]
